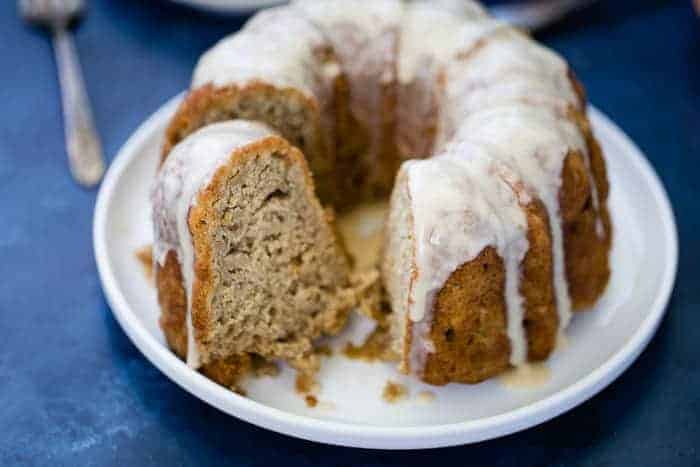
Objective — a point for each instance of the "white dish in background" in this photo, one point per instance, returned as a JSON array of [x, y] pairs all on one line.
[[351, 412], [230, 6]]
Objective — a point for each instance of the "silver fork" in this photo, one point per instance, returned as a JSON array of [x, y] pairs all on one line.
[[82, 142], [536, 14]]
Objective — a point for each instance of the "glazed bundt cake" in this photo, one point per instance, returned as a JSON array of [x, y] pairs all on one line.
[[498, 225]]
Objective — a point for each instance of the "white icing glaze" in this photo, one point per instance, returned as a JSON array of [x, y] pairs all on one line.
[[472, 207], [463, 8], [509, 67], [431, 30], [368, 19], [189, 168], [276, 46], [364, 37], [432, 35]]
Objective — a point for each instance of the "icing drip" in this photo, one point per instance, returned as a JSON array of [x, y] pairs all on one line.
[[473, 207], [493, 101], [432, 34], [364, 37], [510, 98], [188, 169], [535, 141], [512, 95]]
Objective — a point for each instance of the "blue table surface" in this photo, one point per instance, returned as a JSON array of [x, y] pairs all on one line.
[[75, 391]]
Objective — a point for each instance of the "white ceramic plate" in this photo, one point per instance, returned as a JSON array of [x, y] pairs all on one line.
[[351, 412], [230, 6]]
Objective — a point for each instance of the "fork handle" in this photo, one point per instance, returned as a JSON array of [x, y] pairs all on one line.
[[82, 142]]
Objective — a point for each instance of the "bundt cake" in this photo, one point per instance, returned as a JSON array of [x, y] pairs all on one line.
[[498, 225]]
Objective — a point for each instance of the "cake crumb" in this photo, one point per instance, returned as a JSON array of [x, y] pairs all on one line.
[[311, 400], [394, 392], [239, 390], [376, 347], [371, 298], [324, 351], [425, 397], [262, 367], [145, 257], [306, 384]]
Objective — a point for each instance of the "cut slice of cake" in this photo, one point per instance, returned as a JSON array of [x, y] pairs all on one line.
[[247, 262]]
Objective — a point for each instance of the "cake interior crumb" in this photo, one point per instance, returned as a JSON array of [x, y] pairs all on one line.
[[145, 257], [394, 392]]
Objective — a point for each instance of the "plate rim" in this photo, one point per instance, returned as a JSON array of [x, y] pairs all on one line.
[[372, 436]]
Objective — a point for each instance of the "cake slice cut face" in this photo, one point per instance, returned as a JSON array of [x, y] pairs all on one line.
[[236, 218]]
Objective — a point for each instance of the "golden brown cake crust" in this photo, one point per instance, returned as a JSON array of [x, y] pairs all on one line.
[[586, 249], [173, 306], [209, 104], [541, 320], [587, 252], [469, 324]]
